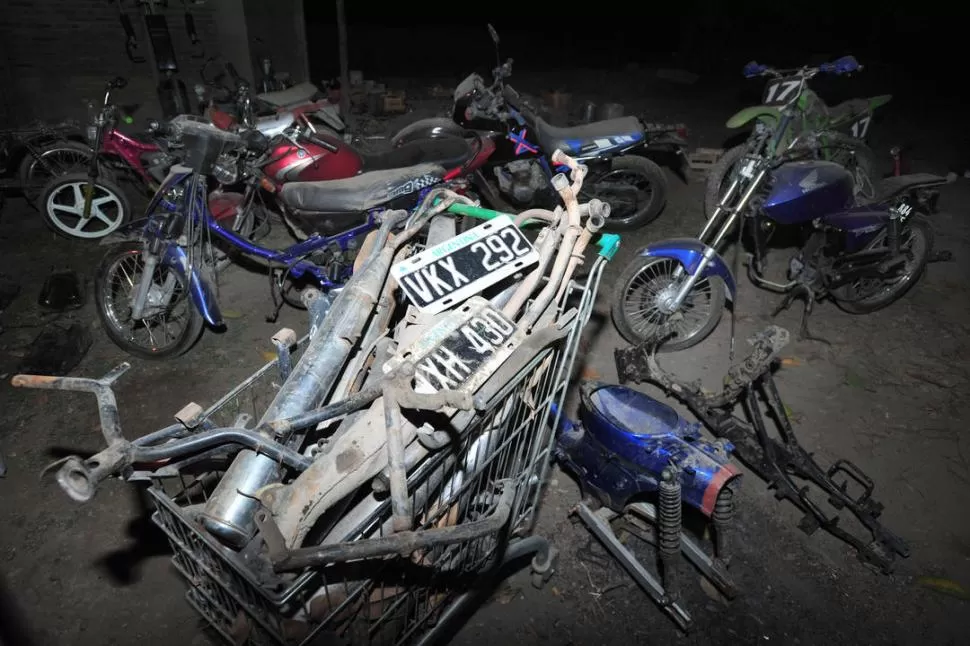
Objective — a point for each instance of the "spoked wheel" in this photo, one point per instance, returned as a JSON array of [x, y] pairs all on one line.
[[57, 159], [640, 310], [634, 187], [62, 206], [871, 294], [170, 324]]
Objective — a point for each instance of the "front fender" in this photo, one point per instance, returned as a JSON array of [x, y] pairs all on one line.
[[201, 289], [427, 129], [688, 252], [879, 101], [765, 113]]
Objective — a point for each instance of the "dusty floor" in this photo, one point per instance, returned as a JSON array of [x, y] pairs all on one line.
[[887, 394]]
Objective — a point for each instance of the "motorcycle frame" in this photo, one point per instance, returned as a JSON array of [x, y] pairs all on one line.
[[291, 258]]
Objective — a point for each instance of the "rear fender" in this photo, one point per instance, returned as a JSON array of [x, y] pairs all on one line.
[[769, 115], [879, 101], [689, 252], [201, 289]]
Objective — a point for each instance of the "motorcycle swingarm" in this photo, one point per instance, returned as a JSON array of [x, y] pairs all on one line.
[[782, 463]]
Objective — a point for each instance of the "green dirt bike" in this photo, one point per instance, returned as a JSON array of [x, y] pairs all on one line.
[[840, 130]]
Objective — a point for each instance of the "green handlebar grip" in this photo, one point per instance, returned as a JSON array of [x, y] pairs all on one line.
[[608, 243], [476, 212]]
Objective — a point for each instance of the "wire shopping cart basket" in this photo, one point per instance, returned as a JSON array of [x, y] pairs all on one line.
[[480, 498], [406, 499]]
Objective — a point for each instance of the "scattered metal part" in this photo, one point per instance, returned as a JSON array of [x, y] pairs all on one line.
[[781, 461]]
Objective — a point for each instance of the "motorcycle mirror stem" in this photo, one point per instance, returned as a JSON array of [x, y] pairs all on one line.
[[495, 41]]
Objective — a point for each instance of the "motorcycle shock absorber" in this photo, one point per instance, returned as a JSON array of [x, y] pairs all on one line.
[[722, 516], [669, 527], [892, 230]]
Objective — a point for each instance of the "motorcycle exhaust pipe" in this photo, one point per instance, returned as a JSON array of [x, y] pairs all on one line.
[[229, 513]]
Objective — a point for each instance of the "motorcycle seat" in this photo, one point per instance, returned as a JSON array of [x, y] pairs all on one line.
[[848, 110], [362, 192], [892, 186], [448, 152], [589, 137]]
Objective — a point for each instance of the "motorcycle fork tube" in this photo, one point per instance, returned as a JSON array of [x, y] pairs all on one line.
[[140, 298], [711, 249]]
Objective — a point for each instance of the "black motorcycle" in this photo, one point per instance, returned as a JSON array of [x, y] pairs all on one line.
[[519, 171]]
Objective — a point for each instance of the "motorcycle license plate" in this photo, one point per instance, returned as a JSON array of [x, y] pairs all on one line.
[[448, 273], [461, 350]]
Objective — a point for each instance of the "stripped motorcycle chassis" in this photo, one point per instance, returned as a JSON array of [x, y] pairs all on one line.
[[780, 461]]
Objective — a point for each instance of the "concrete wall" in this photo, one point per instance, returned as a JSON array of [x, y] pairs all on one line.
[[276, 31], [55, 54]]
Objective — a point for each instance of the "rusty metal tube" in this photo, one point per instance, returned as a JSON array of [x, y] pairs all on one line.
[[228, 514]]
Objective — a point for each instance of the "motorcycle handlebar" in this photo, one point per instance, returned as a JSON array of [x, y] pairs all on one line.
[[844, 65]]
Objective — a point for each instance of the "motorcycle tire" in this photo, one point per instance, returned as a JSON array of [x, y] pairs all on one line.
[[717, 175], [29, 173], [183, 342], [626, 326], [71, 186], [647, 212], [920, 227]]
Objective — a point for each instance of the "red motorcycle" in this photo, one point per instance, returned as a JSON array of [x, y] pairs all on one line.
[[313, 159], [90, 204]]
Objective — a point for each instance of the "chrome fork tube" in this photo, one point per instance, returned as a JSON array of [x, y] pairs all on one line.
[[140, 297], [711, 249]]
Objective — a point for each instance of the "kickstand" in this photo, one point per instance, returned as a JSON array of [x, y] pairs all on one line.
[[804, 291]]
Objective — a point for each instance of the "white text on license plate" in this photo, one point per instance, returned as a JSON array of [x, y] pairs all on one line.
[[459, 359], [448, 273]]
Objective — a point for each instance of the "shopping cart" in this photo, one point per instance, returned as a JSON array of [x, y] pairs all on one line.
[[473, 501], [477, 507]]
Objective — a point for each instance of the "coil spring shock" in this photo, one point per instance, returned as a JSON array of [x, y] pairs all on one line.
[[722, 517], [669, 525]]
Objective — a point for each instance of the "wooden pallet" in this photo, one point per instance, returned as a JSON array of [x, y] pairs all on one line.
[[703, 159]]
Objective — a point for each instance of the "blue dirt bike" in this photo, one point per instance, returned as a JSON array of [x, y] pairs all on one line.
[[156, 287], [863, 253]]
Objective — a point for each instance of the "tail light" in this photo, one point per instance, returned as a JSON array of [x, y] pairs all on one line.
[[682, 131]]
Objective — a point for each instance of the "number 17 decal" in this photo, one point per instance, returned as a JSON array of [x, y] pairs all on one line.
[[781, 91], [861, 127]]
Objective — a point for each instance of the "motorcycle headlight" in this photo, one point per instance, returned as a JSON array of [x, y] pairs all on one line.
[[226, 170]]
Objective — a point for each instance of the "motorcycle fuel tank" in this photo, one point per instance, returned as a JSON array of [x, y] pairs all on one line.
[[624, 441], [312, 163], [803, 191]]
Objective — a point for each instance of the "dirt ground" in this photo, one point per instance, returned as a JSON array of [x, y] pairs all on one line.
[[888, 393]]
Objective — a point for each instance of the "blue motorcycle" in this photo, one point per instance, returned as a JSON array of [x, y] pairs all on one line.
[[156, 288], [863, 253]]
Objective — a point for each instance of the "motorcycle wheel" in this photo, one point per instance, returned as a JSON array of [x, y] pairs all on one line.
[[63, 156], [61, 204], [646, 281], [629, 172], [117, 277], [868, 295], [717, 178]]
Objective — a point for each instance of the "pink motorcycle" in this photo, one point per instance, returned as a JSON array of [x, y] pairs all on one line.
[[90, 204]]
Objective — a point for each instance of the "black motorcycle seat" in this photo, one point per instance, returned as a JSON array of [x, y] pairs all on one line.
[[893, 186], [362, 192], [449, 152], [571, 140], [848, 109]]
